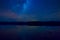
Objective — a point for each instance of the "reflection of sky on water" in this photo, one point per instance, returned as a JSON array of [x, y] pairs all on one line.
[[30, 28], [28, 32]]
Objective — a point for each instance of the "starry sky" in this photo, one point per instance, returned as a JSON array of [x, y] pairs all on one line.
[[28, 10]]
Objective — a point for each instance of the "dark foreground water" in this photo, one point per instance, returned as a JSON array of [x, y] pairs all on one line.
[[29, 33]]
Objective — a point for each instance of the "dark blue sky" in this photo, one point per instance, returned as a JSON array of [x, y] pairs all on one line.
[[44, 10]]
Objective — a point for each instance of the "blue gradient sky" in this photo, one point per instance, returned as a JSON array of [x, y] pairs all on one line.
[[42, 10], [46, 9]]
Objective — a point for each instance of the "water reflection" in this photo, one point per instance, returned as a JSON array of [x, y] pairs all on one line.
[[28, 32]]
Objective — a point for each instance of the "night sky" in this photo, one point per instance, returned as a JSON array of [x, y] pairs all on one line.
[[42, 10], [29, 10]]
